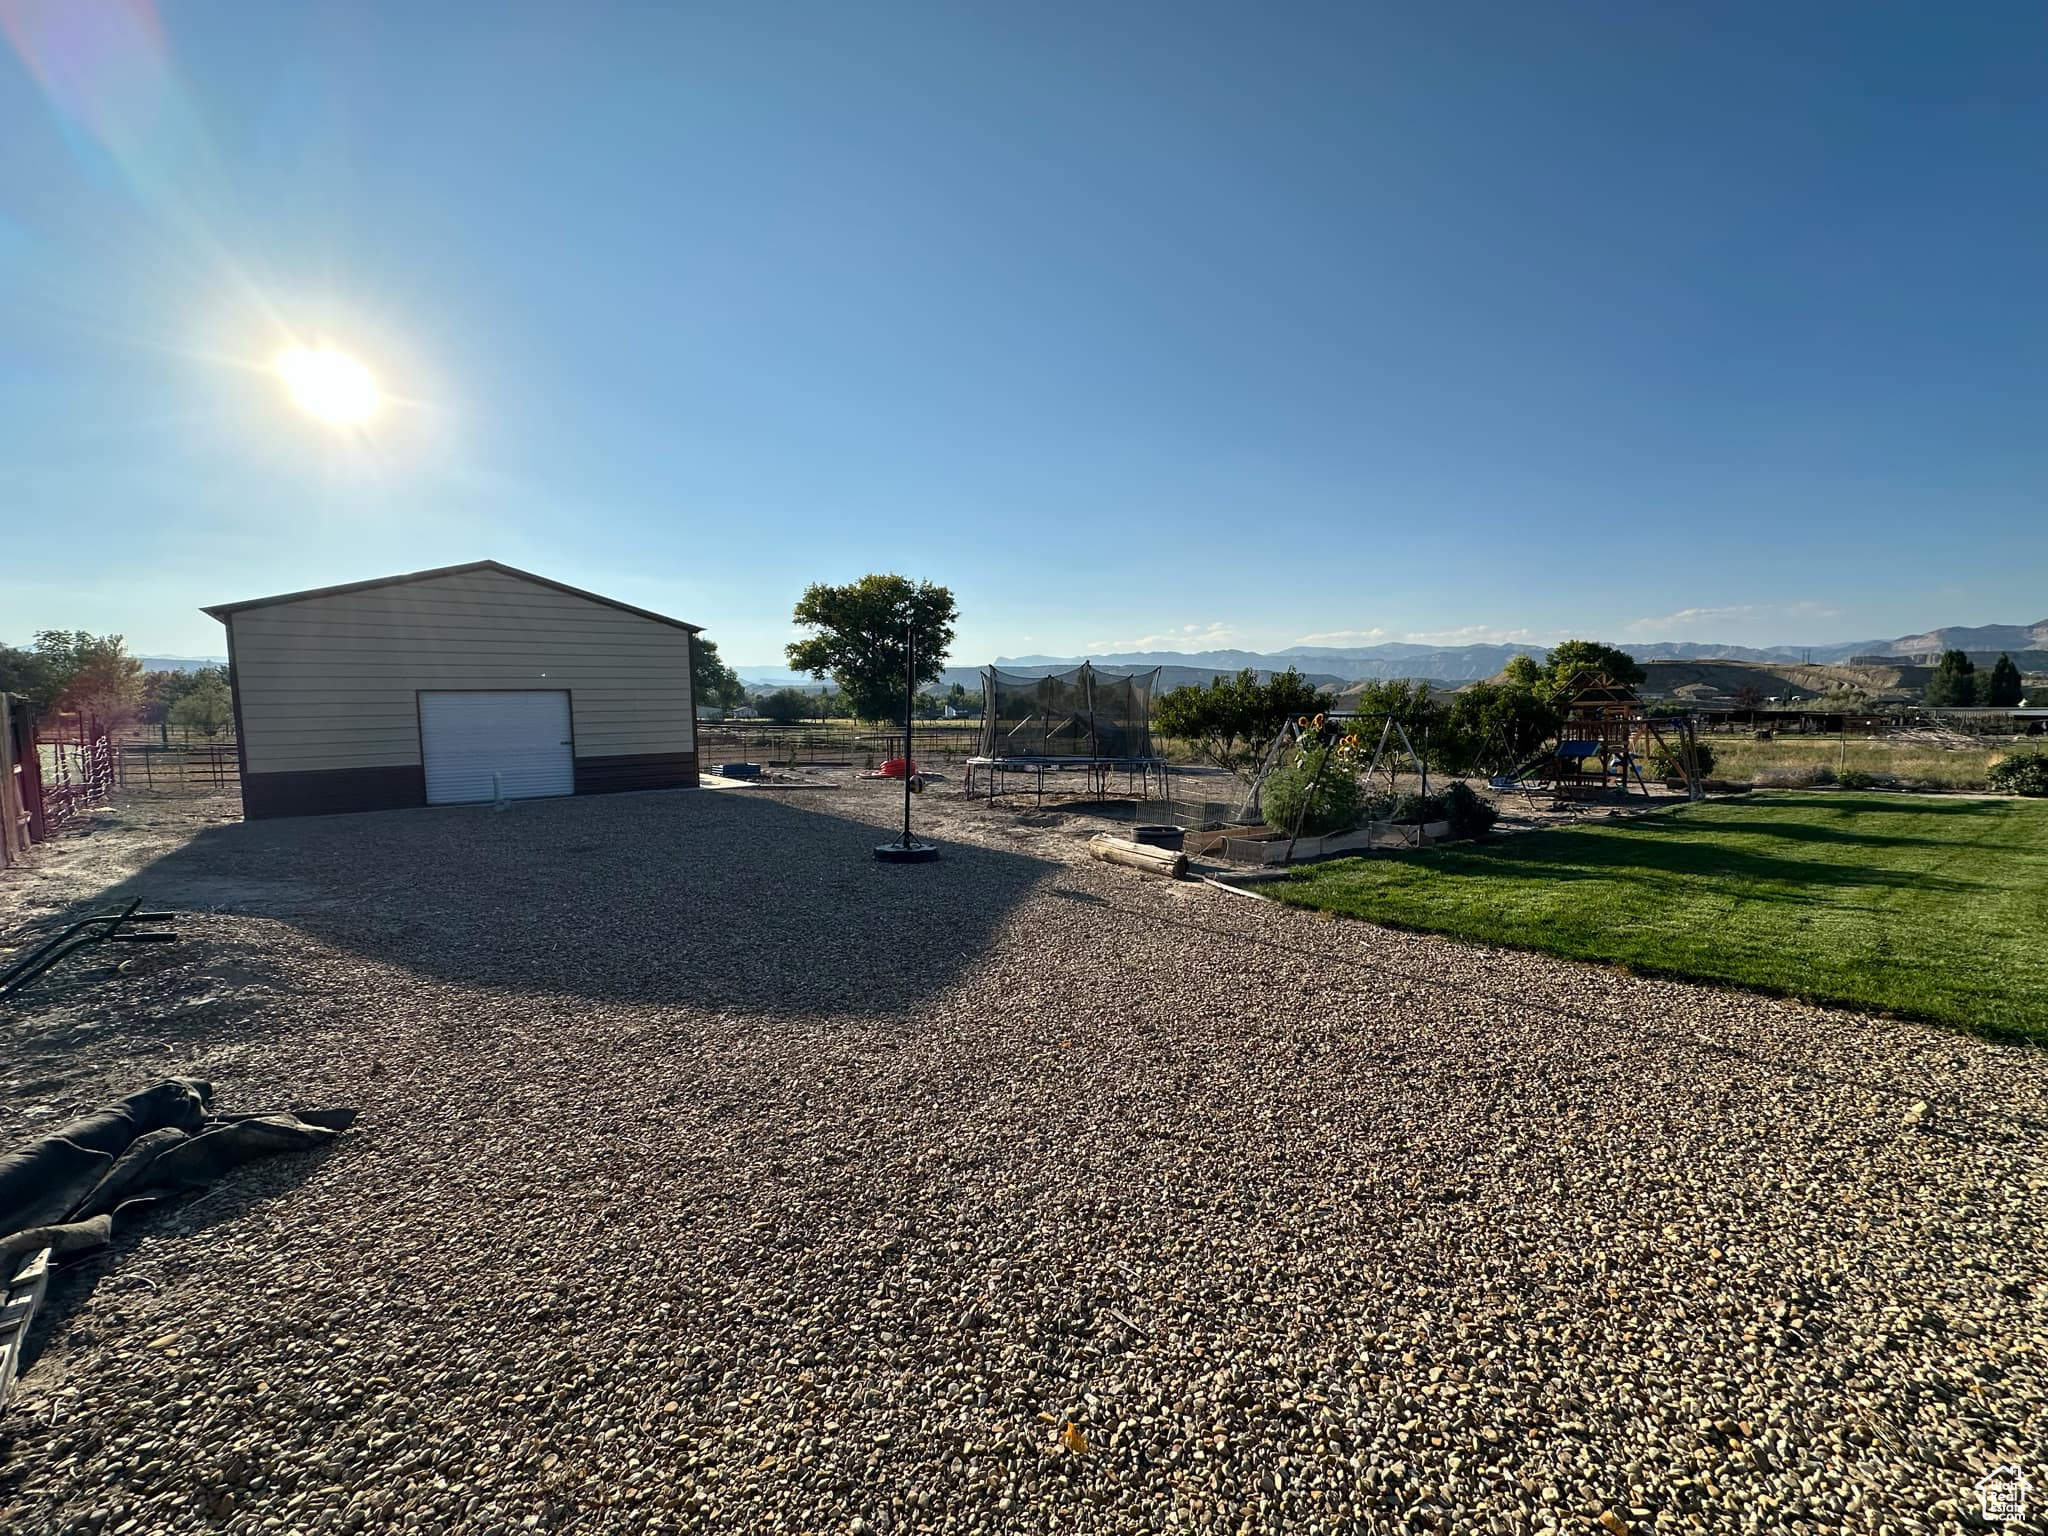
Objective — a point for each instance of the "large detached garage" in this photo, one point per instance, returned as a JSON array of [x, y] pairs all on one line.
[[472, 682]]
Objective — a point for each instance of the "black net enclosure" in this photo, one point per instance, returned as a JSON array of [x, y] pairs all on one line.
[[1078, 714]]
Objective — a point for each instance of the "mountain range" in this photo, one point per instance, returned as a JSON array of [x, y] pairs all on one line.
[[1466, 663], [1327, 664]]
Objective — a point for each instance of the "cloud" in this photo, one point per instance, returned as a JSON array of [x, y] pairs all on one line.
[[1189, 637], [1471, 634], [1345, 637], [1731, 613]]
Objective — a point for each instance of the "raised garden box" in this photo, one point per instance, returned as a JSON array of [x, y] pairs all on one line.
[[1259, 848]]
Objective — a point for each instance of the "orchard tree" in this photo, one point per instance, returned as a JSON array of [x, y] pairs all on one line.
[[858, 638], [1405, 700], [1490, 728], [206, 708], [1229, 720]]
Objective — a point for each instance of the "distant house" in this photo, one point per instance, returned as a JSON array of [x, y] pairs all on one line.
[[466, 683]]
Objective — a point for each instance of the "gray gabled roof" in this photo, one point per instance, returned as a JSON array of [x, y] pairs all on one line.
[[221, 611]]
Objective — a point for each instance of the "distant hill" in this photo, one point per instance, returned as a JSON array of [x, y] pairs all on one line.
[[2012, 638], [181, 663], [1338, 665], [1706, 682], [970, 677]]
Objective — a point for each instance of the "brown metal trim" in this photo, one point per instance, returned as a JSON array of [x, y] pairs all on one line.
[[327, 791], [222, 610], [634, 771], [691, 679], [235, 699]]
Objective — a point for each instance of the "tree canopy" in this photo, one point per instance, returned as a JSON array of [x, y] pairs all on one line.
[[858, 638], [1954, 684], [73, 670], [1571, 660], [2003, 685], [1229, 720], [206, 708], [712, 682], [785, 706], [1491, 728], [1406, 699]]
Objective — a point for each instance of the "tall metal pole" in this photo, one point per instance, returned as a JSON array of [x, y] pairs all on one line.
[[904, 851], [909, 714]]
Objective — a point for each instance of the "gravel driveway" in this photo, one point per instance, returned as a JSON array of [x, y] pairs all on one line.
[[714, 1177]]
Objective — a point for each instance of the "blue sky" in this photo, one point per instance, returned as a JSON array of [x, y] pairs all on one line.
[[1174, 323]]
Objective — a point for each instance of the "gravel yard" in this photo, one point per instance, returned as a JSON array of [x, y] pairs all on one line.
[[712, 1176]]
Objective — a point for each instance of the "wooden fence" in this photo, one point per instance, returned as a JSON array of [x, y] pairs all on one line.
[[20, 794]]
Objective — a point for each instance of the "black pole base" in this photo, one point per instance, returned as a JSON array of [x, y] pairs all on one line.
[[906, 853]]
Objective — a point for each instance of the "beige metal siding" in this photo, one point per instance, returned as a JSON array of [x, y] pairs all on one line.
[[329, 682]]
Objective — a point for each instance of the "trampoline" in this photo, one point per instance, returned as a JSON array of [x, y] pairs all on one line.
[[1098, 724]]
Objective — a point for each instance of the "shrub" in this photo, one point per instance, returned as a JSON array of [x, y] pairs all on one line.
[[1469, 814], [1413, 810], [1855, 778], [1664, 764], [2024, 773], [1338, 798]]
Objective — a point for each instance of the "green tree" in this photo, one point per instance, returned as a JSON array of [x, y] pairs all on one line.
[[206, 708], [1522, 672], [1406, 700], [1954, 684], [785, 706], [712, 682], [1491, 728], [1229, 720], [30, 676], [2003, 684], [161, 691], [1571, 660], [99, 679], [859, 638]]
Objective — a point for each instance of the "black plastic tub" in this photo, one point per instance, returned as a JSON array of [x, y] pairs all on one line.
[[1156, 835], [739, 770]]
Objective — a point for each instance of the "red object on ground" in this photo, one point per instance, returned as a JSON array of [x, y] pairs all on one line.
[[894, 768]]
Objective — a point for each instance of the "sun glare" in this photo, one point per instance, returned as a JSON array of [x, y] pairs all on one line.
[[329, 385]]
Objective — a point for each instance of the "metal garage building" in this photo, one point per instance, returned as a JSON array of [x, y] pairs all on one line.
[[451, 685]]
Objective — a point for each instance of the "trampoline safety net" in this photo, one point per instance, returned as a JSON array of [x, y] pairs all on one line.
[[1080, 713]]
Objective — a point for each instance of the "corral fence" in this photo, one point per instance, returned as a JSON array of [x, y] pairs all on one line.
[[739, 741], [75, 774], [215, 769]]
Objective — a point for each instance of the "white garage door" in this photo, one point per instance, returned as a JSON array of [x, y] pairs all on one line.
[[523, 738]]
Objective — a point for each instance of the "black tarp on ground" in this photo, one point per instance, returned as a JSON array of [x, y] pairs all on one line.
[[69, 1190]]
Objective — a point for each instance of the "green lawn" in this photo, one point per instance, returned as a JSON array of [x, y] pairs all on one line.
[[1933, 908]]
